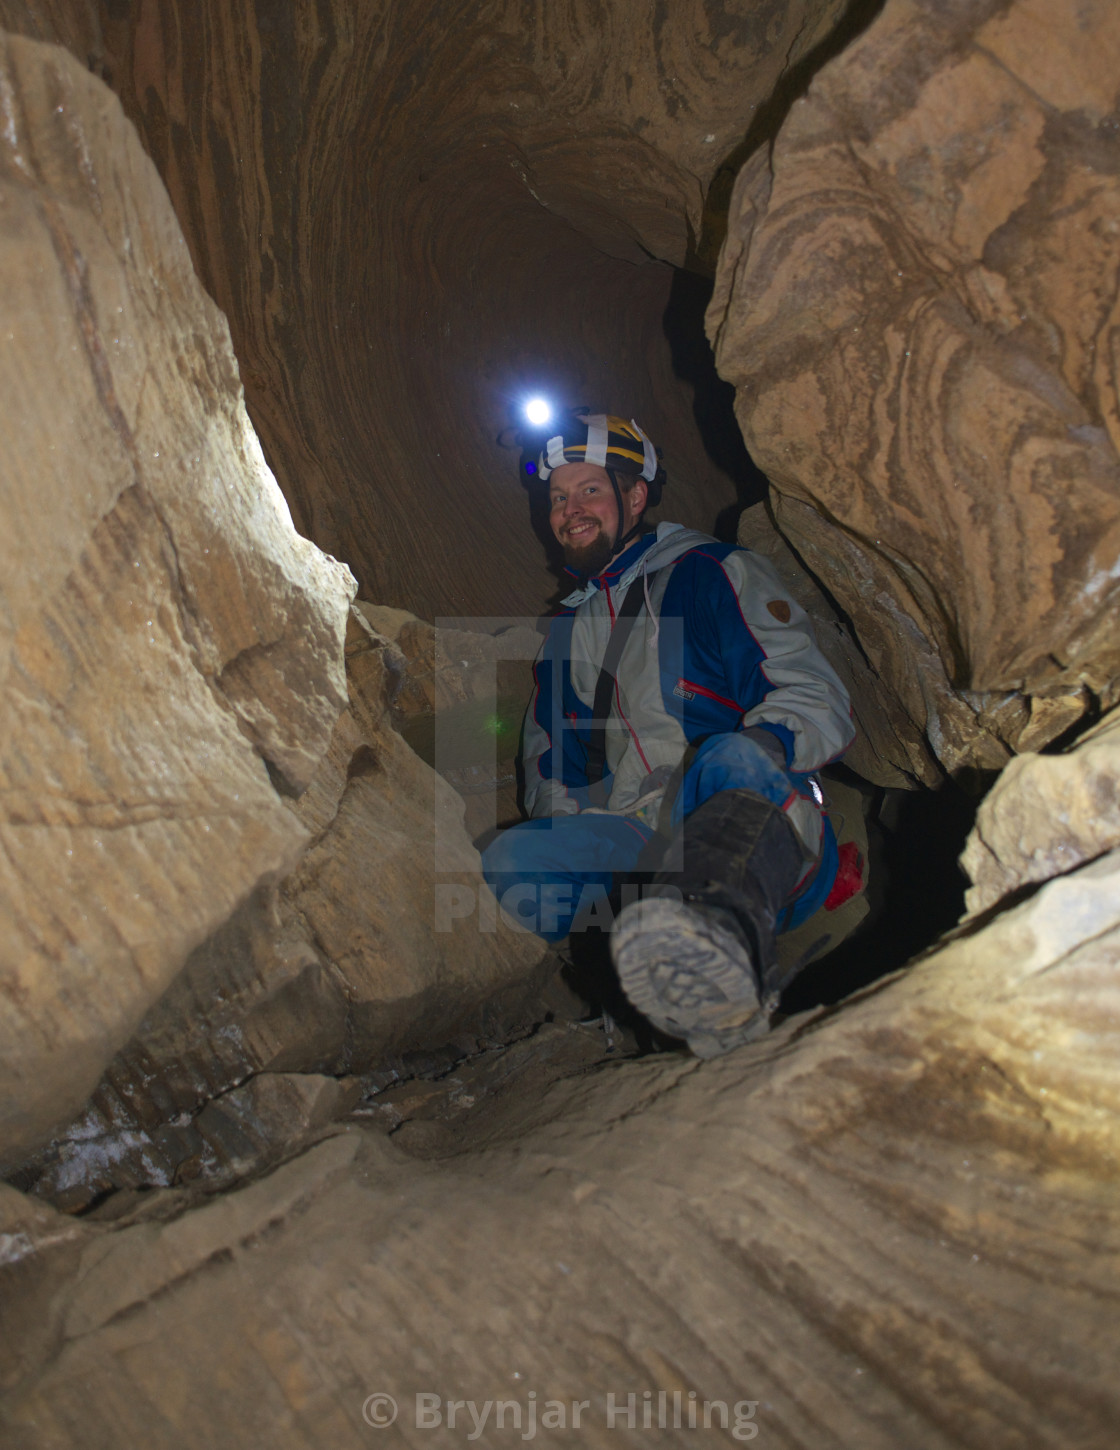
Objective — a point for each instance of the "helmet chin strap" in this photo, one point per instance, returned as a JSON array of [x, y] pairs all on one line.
[[619, 537]]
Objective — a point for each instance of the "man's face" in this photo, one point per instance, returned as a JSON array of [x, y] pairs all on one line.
[[584, 515]]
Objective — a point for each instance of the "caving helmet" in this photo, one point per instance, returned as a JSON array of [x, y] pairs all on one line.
[[611, 442], [614, 445]]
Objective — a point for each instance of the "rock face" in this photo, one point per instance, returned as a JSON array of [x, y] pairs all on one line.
[[1046, 815], [891, 1225], [459, 698], [382, 950], [917, 304], [167, 641], [174, 681], [381, 889], [412, 218]]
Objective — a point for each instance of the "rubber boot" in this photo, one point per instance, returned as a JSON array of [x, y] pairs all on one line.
[[698, 961]]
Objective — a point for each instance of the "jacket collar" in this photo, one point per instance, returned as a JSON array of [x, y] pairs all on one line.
[[648, 553]]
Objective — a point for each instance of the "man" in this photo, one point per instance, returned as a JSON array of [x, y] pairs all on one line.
[[679, 687]]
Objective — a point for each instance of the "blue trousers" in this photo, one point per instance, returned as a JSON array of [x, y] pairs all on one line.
[[554, 874]]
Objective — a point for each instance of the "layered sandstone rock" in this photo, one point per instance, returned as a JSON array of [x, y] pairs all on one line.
[[900, 1198], [411, 218], [895, 1224], [458, 697], [176, 736], [917, 303], [1046, 815], [382, 951], [170, 648], [892, 1224]]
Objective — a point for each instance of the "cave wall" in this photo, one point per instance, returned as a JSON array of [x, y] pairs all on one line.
[[409, 214], [900, 1218], [895, 1225], [917, 303], [216, 852], [927, 252], [170, 647]]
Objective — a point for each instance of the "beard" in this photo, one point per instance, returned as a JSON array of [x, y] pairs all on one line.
[[592, 558]]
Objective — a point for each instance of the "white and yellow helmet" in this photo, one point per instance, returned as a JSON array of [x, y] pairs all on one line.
[[607, 440]]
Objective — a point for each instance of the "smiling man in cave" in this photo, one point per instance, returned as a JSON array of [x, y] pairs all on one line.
[[681, 710]]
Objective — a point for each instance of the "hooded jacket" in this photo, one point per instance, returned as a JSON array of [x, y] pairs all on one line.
[[720, 645]]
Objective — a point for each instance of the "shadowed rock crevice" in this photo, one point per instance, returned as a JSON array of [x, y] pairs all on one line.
[[768, 119]]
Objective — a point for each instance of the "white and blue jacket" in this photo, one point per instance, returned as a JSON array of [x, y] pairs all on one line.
[[721, 645]]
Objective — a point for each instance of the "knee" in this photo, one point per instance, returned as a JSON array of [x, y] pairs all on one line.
[[744, 751], [522, 848]]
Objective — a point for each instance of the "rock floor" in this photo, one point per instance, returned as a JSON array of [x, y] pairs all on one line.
[[885, 1225]]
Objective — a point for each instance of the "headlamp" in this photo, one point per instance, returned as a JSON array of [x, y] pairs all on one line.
[[538, 412]]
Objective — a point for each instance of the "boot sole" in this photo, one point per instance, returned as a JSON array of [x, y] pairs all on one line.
[[688, 976]]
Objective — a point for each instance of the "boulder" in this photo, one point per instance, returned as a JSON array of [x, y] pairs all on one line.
[[381, 951], [916, 302], [170, 648], [1046, 815], [459, 696]]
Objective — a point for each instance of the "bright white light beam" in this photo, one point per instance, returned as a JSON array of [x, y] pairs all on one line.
[[538, 411]]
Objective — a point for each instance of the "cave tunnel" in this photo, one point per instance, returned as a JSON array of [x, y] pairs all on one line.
[[303, 1142]]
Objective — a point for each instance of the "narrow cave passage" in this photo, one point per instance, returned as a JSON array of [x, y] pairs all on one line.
[[394, 285], [300, 1139]]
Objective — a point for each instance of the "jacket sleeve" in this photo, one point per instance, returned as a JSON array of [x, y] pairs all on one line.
[[552, 756], [774, 665]]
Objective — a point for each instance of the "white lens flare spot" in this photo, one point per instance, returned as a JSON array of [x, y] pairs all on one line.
[[538, 411]]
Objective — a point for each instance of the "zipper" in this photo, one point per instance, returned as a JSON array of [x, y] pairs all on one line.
[[711, 695]]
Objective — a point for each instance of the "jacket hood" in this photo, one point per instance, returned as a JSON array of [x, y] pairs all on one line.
[[672, 541]]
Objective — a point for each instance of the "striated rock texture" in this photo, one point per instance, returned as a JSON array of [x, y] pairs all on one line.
[[892, 1225], [382, 951], [459, 698], [1046, 815], [170, 648], [412, 215], [917, 302], [76, 24]]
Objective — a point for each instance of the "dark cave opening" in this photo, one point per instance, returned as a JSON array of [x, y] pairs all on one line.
[[713, 399], [916, 890]]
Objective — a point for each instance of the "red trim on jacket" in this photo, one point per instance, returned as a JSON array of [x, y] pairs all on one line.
[[711, 695]]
